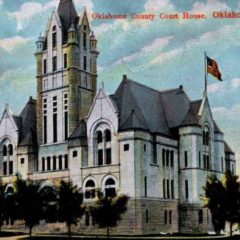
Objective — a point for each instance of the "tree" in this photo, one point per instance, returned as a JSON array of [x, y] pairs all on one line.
[[69, 204], [214, 200], [223, 200], [29, 203], [232, 199], [2, 204], [108, 210]]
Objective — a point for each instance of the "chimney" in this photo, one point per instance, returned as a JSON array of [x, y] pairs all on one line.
[[124, 77], [181, 87]]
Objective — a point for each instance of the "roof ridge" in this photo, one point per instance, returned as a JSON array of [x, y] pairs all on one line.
[[150, 88], [140, 109]]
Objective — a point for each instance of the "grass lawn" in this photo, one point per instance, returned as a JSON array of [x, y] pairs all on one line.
[[137, 238]]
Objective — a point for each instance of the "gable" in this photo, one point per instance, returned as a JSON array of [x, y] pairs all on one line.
[[103, 109]]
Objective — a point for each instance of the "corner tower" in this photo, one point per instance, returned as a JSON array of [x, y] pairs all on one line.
[[66, 73]]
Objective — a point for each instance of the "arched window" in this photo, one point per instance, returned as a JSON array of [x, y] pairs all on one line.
[[110, 188], [10, 149], [4, 150], [108, 135], [207, 138], [90, 189], [54, 37], [99, 137]]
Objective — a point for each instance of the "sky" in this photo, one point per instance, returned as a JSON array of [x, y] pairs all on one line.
[[162, 54]]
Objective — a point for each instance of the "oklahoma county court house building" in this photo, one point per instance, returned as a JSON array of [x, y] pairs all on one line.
[[158, 147]]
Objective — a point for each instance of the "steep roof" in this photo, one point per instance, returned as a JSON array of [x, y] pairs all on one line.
[[227, 148], [140, 107], [80, 131], [28, 116], [190, 119], [68, 15]]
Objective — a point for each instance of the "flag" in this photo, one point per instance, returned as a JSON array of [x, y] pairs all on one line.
[[212, 68]]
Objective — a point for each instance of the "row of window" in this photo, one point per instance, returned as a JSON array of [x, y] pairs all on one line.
[[109, 189], [104, 151], [168, 188], [55, 163], [55, 119], [167, 158], [65, 63], [8, 168], [7, 150], [54, 37]]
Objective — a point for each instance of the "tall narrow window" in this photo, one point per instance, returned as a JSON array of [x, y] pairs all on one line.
[[164, 189], [163, 157], [10, 167], [172, 158], [60, 162], [167, 158], [165, 217], [4, 168], [172, 189], [54, 37], [222, 164], [108, 136], [200, 216], [84, 63], [10, 149], [45, 66], [208, 162], [45, 130], [186, 158], [145, 186], [199, 159], [43, 164], [186, 189], [84, 39], [65, 60], [55, 127], [4, 150], [108, 156], [48, 163], [54, 163], [66, 161], [170, 216], [66, 125], [146, 213], [204, 161], [54, 63], [100, 157], [168, 192]]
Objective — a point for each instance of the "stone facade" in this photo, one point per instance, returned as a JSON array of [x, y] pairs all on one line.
[[156, 147]]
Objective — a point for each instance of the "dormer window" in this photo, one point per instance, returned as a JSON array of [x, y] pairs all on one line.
[[54, 37]]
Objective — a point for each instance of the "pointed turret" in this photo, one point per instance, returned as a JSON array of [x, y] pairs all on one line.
[[40, 43], [68, 16]]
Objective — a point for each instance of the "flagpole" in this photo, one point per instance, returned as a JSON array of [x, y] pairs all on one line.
[[205, 70]]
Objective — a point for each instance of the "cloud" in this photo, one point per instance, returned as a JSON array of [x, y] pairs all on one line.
[[85, 3], [236, 83], [158, 5], [157, 44], [222, 87], [10, 44], [167, 55], [1, 3], [28, 10], [209, 6]]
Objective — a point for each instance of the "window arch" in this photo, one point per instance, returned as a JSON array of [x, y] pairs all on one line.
[[10, 149], [108, 135], [4, 150], [102, 145], [99, 137], [110, 188], [90, 192]]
